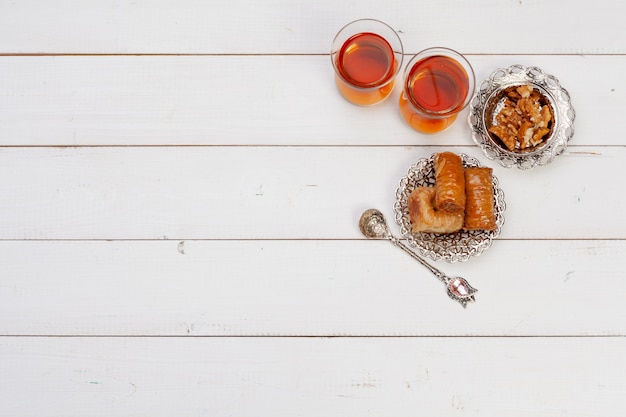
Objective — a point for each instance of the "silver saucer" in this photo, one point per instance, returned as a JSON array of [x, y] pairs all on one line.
[[450, 247], [557, 96]]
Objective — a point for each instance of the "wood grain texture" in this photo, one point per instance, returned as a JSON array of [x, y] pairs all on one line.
[[306, 288], [311, 376], [276, 192], [180, 185], [271, 26], [252, 100]]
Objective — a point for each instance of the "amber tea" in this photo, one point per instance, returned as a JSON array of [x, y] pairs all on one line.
[[436, 88], [366, 63]]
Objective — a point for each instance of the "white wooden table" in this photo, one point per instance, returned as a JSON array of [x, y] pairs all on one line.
[[180, 186]]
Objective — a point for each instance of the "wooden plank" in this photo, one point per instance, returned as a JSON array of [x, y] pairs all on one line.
[[303, 288], [311, 376], [207, 100], [277, 192], [142, 276], [244, 27]]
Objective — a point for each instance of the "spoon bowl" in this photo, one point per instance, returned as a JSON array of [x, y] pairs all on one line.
[[373, 225]]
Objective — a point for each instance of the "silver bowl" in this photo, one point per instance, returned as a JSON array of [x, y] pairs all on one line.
[[489, 96]]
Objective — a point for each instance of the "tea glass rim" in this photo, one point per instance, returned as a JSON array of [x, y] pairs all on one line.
[[461, 60], [398, 54]]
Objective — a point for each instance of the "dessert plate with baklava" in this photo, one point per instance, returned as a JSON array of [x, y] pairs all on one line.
[[449, 207], [521, 117]]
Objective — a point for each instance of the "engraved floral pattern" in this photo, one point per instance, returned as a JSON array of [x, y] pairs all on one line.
[[451, 247], [558, 97]]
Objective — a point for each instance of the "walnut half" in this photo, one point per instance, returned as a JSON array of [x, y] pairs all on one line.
[[524, 121]]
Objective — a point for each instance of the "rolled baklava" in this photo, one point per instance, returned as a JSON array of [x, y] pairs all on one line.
[[449, 182], [425, 218], [480, 205]]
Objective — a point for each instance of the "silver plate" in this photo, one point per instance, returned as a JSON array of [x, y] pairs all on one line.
[[557, 96], [451, 247]]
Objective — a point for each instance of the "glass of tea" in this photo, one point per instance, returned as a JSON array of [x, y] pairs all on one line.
[[438, 84], [366, 55]]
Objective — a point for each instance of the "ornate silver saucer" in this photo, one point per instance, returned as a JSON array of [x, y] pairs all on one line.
[[488, 97], [451, 247]]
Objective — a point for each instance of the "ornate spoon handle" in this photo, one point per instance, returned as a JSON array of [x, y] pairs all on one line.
[[373, 226], [458, 288], [442, 277]]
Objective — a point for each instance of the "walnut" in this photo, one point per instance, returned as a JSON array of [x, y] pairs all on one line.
[[523, 122], [524, 90]]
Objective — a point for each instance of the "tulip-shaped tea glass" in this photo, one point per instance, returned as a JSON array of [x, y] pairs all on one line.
[[438, 84], [366, 55]]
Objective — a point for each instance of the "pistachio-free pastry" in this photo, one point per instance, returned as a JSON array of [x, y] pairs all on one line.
[[479, 206], [449, 183], [425, 218]]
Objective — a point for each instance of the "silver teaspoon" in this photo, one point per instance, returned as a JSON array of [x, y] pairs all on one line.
[[374, 226]]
